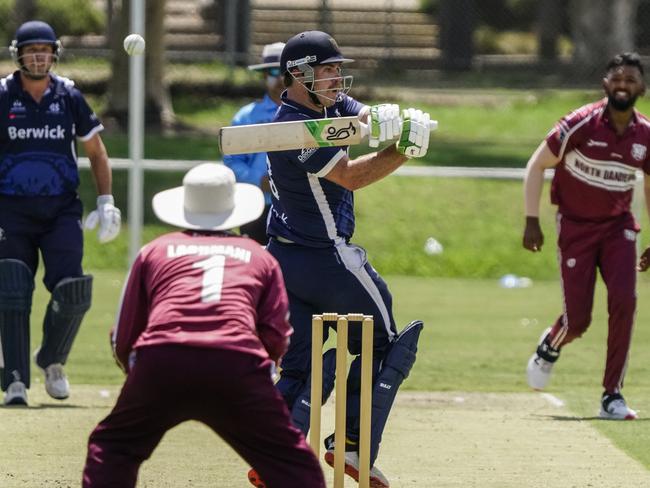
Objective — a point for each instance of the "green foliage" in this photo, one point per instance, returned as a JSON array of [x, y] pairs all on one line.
[[67, 17], [6, 8], [71, 17]]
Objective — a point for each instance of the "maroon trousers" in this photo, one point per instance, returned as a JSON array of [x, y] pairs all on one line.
[[229, 391], [584, 248]]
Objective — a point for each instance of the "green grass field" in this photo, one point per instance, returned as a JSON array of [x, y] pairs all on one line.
[[478, 337]]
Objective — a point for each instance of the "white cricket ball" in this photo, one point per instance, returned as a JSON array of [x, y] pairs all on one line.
[[134, 44]]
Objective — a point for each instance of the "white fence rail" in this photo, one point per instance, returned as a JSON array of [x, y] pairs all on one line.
[[440, 171]]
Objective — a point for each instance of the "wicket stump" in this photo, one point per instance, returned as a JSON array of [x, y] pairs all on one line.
[[366, 322]]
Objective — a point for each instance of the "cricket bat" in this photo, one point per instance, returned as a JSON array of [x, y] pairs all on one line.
[[297, 134]]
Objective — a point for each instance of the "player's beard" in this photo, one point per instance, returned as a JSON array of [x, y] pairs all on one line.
[[621, 105]]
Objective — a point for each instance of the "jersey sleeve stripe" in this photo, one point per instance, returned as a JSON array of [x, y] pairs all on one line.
[[330, 165], [571, 132], [92, 132]]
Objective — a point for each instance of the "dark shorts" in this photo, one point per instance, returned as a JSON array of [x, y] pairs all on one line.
[[229, 391], [335, 279], [49, 224]]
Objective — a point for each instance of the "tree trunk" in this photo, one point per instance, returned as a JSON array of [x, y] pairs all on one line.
[[456, 34], [158, 105], [24, 10], [548, 29], [159, 114], [601, 29], [624, 24]]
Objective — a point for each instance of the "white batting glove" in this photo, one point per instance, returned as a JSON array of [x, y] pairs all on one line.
[[384, 123], [108, 217], [414, 140]]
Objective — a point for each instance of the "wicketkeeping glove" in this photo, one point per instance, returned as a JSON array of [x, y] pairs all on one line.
[[414, 140], [108, 217], [384, 123]]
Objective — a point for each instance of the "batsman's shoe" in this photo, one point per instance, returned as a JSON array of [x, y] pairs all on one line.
[[377, 478], [540, 364], [255, 479], [16, 394], [613, 407], [56, 382]]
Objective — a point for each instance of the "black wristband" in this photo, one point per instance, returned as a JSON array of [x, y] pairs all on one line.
[[532, 220]]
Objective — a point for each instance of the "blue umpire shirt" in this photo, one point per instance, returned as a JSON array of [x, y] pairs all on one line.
[[250, 168], [307, 208], [38, 153]]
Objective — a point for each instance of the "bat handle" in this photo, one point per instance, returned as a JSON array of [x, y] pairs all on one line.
[[365, 129]]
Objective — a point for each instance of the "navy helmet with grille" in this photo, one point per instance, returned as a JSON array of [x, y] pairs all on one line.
[[311, 48]]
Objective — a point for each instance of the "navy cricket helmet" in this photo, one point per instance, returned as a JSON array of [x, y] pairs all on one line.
[[311, 48], [34, 32]]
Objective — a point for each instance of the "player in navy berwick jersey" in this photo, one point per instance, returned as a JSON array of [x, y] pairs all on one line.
[[41, 117], [310, 227], [202, 320], [596, 151]]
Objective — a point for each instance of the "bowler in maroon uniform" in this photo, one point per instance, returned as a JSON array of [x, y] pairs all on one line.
[[596, 151], [204, 317]]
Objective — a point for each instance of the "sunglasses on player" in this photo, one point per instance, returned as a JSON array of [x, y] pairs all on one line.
[[273, 71]]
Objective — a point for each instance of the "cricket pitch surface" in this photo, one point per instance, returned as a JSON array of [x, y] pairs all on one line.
[[449, 439]]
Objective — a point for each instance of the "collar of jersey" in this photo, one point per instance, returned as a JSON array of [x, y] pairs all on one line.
[[18, 84], [605, 119], [296, 107]]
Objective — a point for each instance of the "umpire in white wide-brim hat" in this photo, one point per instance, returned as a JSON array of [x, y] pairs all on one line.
[[209, 199], [270, 57], [251, 168]]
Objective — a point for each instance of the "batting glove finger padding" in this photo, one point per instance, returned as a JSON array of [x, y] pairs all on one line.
[[384, 123], [414, 139], [108, 216]]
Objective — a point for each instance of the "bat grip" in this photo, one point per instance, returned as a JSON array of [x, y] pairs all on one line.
[[365, 129]]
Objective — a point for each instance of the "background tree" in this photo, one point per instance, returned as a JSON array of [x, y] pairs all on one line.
[[159, 113], [600, 29], [548, 28], [457, 22], [24, 10]]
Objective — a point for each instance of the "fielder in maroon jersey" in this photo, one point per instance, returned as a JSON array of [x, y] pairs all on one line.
[[203, 319], [596, 151]]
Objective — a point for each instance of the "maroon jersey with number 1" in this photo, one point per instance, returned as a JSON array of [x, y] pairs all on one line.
[[203, 290]]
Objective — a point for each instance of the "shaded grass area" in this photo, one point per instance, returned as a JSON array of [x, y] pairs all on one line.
[[479, 223]]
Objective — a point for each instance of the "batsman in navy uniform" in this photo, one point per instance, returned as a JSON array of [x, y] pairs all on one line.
[[42, 116], [203, 318], [251, 168], [310, 227], [596, 151]]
